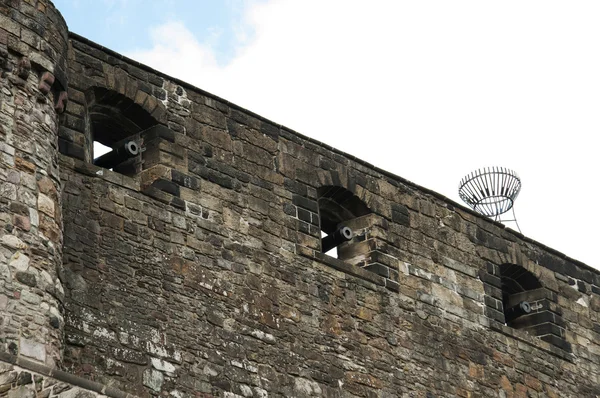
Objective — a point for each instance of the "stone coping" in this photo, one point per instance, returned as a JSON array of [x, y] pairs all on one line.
[[62, 376]]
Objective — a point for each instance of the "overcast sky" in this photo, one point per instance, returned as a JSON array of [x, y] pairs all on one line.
[[429, 90]]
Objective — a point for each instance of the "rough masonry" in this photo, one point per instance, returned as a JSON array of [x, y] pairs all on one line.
[[194, 268]]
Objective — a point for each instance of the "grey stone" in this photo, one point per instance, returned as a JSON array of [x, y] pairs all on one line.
[[32, 349], [153, 379]]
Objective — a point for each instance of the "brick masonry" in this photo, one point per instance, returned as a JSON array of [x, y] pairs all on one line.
[[199, 272]]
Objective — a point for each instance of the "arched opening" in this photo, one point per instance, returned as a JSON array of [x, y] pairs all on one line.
[[114, 124], [529, 306], [338, 206], [521, 295]]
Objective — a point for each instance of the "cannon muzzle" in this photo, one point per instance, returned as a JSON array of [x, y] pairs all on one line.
[[341, 235], [118, 155], [516, 311]]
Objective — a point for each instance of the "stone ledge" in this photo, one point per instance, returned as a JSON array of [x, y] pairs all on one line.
[[90, 170], [156, 182], [64, 377], [344, 267], [533, 341]]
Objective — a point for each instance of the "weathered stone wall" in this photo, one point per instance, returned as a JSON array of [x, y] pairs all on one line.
[[33, 43], [22, 383], [21, 377], [201, 273]]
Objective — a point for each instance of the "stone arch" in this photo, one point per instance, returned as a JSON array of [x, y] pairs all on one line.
[[140, 91], [340, 215], [337, 205], [74, 140], [364, 244], [518, 298], [111, 120], [521, 292]]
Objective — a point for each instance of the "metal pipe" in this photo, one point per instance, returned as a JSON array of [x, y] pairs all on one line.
[[118, 155], [341, 235], [523, 308]]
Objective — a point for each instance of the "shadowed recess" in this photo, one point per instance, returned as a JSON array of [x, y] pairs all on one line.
[[336, 205], [516, 279], [114, 117]]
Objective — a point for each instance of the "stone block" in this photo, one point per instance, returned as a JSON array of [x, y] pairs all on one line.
[[22, 392], [12, 242], [32, 349], [26, 278], [46, 205]]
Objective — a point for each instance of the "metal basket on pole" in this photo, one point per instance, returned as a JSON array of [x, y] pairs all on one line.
[[491, 191]]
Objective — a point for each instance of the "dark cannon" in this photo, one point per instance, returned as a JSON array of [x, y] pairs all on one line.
[[341, 235], [119, 154], [523, 308]]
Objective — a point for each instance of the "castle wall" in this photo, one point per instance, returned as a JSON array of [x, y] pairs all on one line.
[[33, 83], [203, 274], [196, 268]]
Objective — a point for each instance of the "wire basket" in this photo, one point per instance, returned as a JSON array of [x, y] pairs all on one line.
[[490, 191]]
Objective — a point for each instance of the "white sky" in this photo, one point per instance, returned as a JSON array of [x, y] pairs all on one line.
[[429, 90]]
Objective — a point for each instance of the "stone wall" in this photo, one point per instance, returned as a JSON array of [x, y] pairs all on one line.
[[19, 382], [24, 378], [203, 273], [33, 84], [196, 268]]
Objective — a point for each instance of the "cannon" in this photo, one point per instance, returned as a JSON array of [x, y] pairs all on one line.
[[120, 153], [341, 235], [516, 311]]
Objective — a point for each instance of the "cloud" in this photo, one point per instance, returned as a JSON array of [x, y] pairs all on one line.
[[428, 90], [177, 52]]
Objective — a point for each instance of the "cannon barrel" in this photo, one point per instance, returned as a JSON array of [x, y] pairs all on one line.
[[341, 235], [516, 311], [118, 155]]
